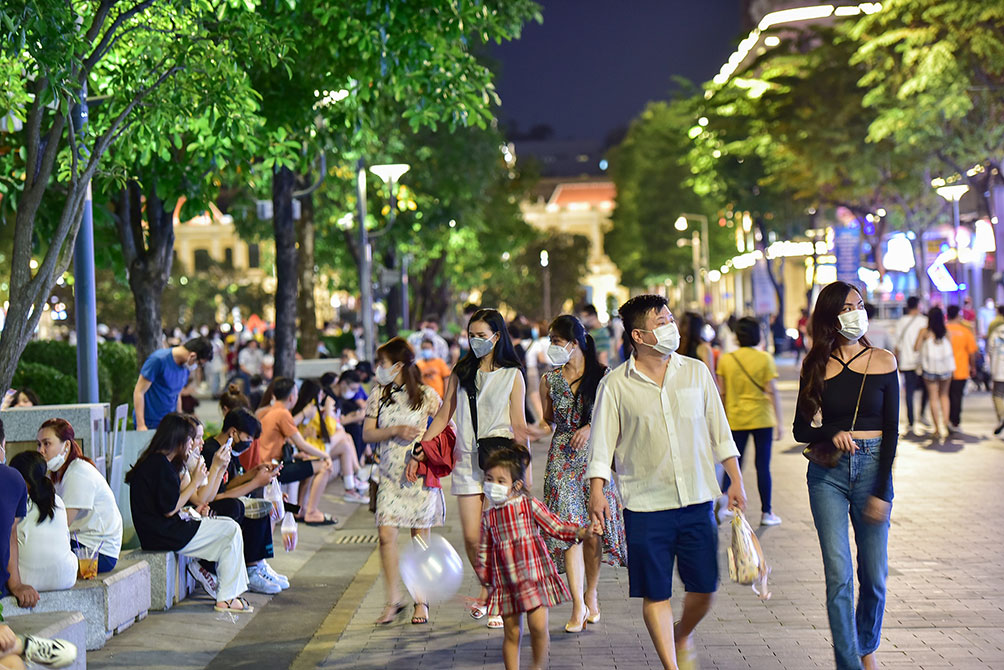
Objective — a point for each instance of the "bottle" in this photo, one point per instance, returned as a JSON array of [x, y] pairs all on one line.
[[289, 531]]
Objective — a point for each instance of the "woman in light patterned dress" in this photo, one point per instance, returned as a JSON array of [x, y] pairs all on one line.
[[568, 393], [397, 414]]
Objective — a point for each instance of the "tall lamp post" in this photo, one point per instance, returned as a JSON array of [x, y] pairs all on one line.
[[701, 253], [545, 264], [953, 193], [390, 173]]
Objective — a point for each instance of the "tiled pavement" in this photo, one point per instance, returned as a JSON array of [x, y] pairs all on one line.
[[945, 607]]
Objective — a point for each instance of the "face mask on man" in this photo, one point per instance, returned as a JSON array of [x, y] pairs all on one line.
[[482, 346], [238, 448], [667, 338], [853, 325], [427, 354], [558, 355], [496, 493]]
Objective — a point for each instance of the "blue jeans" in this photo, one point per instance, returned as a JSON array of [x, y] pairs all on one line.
[[763, 438], [834, 495]]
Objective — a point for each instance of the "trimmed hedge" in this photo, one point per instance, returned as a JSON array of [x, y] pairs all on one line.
[[117, 371], [51, 385], [123, 370]]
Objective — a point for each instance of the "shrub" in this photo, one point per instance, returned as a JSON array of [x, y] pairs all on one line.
[[120, 360], [51, 385], [59, 355]]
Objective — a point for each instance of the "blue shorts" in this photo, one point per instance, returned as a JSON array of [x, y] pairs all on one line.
[[656, 539]]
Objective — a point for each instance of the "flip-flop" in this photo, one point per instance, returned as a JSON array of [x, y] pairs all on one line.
[[419, 620], [328, 521], [245, 607]]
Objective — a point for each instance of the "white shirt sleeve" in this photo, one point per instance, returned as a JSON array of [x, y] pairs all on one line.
[[603, 435], [722, 443], [78, 487]]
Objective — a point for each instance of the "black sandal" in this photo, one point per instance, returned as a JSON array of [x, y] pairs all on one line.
[[419, 620], [390, 613]]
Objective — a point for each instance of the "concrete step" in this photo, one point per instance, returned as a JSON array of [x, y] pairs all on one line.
[[69, 626], [109, 603], [170, 582]]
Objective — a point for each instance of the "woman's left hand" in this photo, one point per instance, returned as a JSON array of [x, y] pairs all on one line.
[[580, 438], [877, 510]]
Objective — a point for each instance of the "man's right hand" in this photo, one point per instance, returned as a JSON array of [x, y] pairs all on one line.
[[264, 472], [599, 508]]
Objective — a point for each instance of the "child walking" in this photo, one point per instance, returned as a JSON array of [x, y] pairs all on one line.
[[513, 561]]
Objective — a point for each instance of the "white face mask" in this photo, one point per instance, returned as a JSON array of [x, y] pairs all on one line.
[[558, 355], [482, 346], [385, 376], [496, 493], [349, 394], [56, 461], [667, 338], [853, 325]]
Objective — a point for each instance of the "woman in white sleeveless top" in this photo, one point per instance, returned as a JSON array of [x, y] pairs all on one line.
[[491, 370]]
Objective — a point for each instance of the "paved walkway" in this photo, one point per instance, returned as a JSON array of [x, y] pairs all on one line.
[[944, 610]]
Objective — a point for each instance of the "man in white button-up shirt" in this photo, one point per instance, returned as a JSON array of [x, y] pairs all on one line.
[[659, 418]]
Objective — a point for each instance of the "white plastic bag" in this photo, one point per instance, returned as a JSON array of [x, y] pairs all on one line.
[[273, 494], [289, 531], [747, 563]]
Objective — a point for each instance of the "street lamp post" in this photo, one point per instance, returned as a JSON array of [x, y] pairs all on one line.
[[365, 265], [953, 194], [390, 174], [84, 302], [545, 264]]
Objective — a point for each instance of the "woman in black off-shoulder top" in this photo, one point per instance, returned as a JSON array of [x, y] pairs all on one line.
[[841, 366]]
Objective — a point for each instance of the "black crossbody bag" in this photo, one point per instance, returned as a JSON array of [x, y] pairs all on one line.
[[486, 445]]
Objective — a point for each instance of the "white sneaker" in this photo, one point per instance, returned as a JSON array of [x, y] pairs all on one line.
[[281, 580], [769, 519], [259, 582], [356, 497], [51, 653], [204, 577]]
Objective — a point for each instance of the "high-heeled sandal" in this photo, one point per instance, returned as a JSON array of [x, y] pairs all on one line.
[[390, 612], [419, 620]]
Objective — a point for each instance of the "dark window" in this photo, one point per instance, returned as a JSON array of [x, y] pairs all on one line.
[[203, 261], [254, 259], [228, 258]]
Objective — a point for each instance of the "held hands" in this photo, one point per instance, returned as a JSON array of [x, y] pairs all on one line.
[[583, 533], [877, 510], [599, 511], [580, 438], [407, 433], [844, 442]]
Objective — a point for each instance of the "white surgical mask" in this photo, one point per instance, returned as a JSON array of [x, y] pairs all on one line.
[[56, 461], [667, 338], [853, 325], [482, 346], [349, 395], [192, 367], [496, 493], [558, 355], [385, 376]]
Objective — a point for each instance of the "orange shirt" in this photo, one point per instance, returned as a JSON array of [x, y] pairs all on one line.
[[963, 346], [435, 372], [276, 427]]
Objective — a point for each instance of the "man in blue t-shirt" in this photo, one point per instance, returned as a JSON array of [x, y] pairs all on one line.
[[164, 374]]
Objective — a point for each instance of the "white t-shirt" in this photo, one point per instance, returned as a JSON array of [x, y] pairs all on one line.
[[45, 559], [99, 519], [905, 340]]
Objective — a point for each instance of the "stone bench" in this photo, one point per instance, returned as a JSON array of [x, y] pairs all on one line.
[[170, 582], [109, 603], [69, 626]]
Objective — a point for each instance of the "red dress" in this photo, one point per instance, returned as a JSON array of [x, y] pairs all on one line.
[[513, 559]]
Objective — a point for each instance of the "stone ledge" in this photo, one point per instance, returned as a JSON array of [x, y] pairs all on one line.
[[69, 626], [169, 580]]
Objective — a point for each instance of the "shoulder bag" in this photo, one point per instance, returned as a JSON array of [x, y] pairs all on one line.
[[824, 452], [486, 445], [748, 375]]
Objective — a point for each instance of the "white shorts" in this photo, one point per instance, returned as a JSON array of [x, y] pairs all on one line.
[[466, 478]]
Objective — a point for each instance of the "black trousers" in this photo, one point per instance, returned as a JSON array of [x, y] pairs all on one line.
[[913, 382], [257, 532], [955, 401]]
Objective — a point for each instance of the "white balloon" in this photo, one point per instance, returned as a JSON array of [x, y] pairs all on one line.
[[432, 571]]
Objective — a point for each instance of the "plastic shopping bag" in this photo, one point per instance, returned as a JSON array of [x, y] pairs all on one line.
[[288, 531], [747, 563], [273, 494]]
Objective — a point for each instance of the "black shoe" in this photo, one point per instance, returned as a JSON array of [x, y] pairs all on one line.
[[1000, 428]]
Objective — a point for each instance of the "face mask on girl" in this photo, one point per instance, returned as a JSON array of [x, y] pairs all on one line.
[[482, 346], [496, 493], [853, 325], [667, 338], [384, 375], [56, 461], [558, 355]]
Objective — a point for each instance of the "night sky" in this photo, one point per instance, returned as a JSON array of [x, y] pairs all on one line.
[[593, 64]]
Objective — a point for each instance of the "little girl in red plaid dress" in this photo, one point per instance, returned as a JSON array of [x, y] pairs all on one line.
[[513, 561]]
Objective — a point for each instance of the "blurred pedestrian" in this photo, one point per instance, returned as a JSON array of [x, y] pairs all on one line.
[[965, 349], [937, 364]]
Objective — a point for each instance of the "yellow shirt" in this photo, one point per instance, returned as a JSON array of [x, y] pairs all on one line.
[[746, 405], [312, 431]]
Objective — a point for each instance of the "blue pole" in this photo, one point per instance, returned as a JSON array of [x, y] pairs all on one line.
[[85, 309]]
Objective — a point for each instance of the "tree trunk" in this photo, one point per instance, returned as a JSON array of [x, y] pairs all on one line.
[[306, 309], [284, 228], [778, 284]]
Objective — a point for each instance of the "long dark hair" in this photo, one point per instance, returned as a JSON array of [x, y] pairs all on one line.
[[825, 328], [172, 433], [64, 433], [309, 392], [504, 352], [397, 351], [41, 490], [691, 326], [936, 323], [570, 329]]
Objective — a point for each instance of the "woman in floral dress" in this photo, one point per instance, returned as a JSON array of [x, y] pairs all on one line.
[[397, 414], [567, 394]]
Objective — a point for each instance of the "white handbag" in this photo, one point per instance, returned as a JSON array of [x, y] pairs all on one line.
[[747, 563]]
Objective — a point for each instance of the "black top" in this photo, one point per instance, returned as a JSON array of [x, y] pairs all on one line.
[[154, 490], [234, 469], [879, 410]]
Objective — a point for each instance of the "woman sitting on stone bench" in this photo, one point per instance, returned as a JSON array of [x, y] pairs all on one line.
[[164, 523], [45, 559]]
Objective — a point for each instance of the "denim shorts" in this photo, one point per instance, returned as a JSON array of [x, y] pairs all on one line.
[[658, 539]]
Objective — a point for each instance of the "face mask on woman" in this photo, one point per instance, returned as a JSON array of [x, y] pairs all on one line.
[[482, 346], [385, 376], [558, 355], [853, 325], [56, 461]]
